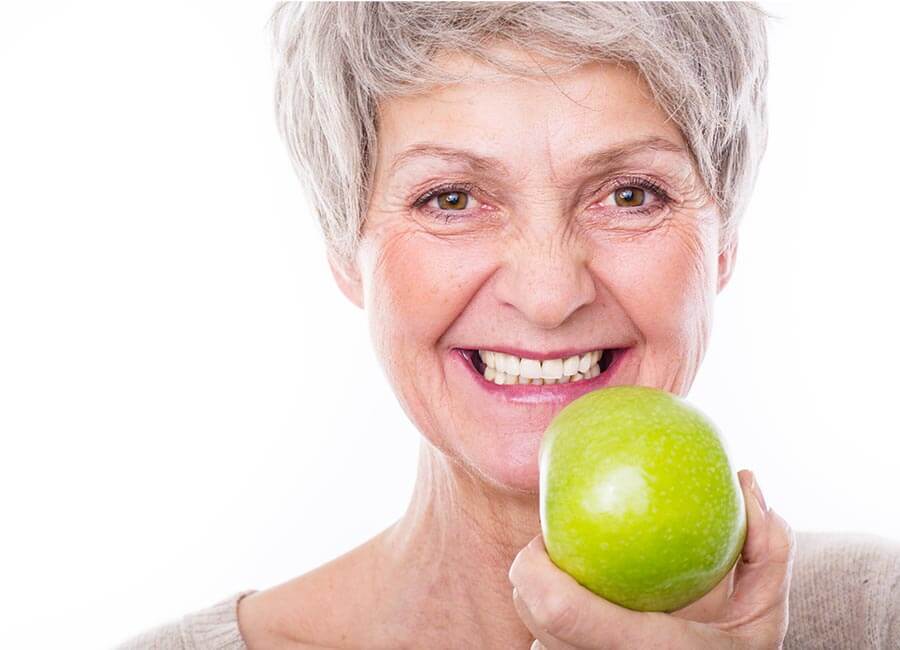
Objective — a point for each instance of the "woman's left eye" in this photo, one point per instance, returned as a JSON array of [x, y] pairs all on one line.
[[627, 197]]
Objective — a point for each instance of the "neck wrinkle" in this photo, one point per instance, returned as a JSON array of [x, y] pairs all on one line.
[[454, 546]]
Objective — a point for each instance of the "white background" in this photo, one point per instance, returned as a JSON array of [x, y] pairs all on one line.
[[188, 406]]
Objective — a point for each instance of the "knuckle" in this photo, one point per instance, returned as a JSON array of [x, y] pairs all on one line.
[[555, 615]]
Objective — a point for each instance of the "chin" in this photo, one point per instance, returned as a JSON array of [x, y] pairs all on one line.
[[510, 467]]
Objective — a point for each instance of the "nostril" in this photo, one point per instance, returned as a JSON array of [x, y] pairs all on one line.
[[547, 290]]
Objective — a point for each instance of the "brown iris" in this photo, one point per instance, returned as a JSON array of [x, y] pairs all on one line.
[[629, 197], [453, 200]]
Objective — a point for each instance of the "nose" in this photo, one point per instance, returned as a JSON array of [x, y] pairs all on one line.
[[546, 281]]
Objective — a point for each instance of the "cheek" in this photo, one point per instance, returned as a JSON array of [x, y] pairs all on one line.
[[417, 286], [666, 282]]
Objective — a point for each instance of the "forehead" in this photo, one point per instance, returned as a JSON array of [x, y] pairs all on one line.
[[515, 125]]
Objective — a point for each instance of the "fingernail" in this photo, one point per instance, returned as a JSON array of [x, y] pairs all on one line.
[[513, 574], [757, 492]]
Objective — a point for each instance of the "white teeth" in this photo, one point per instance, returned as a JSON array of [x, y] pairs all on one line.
[[530, 368], [584, 363], [508, 369], [570, 365], [552, 368]]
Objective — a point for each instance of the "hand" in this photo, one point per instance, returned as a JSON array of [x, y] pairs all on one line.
[[748, 609]]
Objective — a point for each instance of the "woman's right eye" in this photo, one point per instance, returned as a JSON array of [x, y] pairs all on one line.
[[447, 201], [452, 200]]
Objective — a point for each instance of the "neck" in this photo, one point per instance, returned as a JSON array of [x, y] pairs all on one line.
[[452, 551]]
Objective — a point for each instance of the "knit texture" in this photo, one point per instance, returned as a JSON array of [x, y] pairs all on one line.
[[206, 629], [845, 593]]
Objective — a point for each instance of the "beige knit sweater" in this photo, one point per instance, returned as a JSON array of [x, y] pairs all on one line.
[[845, 593]]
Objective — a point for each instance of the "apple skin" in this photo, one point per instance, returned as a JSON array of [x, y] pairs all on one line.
[[638, 500]]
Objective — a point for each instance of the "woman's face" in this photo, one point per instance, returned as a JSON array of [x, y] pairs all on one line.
[[581, 225]]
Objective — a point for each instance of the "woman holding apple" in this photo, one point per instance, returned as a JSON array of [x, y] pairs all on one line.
[[532, 201]]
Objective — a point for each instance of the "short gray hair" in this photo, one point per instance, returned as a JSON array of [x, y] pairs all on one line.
[[706, 63]]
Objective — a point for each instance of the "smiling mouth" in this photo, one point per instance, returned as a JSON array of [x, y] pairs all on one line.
[[508, 369]]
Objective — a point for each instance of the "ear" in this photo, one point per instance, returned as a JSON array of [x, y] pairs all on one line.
[[727, 260], [346, 274]]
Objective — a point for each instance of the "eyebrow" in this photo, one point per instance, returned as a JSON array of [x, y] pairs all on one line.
[[494, 166]]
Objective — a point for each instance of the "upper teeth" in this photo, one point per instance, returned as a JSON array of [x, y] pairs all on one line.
[[508, 368]]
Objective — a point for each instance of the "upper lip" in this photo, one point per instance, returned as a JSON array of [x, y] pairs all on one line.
[[561, 353]]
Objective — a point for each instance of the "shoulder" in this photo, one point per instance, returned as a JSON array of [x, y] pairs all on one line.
[[214, 627], [845, 591], [338, 604]]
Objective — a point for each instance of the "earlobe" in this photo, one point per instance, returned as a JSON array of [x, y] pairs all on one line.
[[347, 276], [727, 260]]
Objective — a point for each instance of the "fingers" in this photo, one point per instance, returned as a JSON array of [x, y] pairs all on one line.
[[769, 537], [756, 545], [764, 568], [561, 613]]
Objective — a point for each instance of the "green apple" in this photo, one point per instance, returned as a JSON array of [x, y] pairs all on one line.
[[638, 500]]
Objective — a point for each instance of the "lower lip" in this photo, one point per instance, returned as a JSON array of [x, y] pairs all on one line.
[[544, 393]]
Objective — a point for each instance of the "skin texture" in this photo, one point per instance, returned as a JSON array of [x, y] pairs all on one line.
[[541, 258]]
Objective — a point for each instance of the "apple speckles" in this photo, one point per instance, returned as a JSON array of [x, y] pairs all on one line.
[[638, 499]]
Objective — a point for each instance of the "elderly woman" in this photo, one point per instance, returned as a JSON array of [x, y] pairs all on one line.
[[535, 183]]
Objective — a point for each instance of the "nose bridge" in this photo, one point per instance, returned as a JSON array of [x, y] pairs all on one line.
[[546, 275]]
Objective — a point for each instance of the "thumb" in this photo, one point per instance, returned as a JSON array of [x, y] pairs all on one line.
[[558, 607]]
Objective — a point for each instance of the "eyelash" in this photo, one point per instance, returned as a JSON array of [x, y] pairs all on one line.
[[646, 184]]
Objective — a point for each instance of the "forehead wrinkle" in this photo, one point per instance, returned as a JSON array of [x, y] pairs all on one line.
[[488, 165]]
